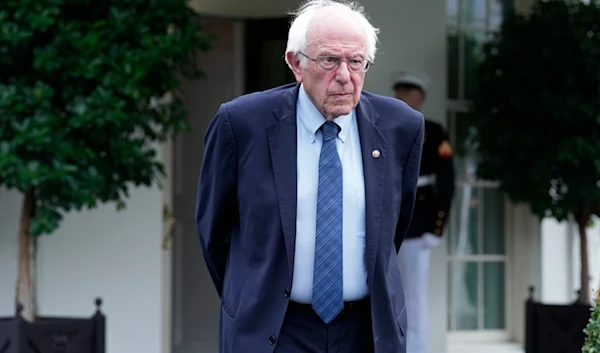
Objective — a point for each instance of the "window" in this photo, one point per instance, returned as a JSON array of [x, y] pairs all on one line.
[[477, 243]]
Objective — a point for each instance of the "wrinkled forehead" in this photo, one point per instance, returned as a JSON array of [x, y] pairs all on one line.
[[338, 32]]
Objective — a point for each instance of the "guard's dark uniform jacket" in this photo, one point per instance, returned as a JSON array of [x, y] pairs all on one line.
[[436, 183]]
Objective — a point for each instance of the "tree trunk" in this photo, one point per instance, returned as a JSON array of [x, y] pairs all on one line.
[[25, 286], [33, 271], [584, 289]]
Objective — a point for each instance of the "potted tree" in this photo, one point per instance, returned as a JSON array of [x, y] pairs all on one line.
[[87, 91], [535, 117]]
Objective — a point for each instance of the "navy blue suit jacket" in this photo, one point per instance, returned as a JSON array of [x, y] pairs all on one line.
[[246, 212]]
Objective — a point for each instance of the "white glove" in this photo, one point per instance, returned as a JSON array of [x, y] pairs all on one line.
[[431, 240]]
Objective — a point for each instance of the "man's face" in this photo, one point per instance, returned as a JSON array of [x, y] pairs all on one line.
[[411, 96], [335, 92]]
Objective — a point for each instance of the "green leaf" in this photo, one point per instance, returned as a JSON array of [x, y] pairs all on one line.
[[592, 332], [535, 112], [76, 80]]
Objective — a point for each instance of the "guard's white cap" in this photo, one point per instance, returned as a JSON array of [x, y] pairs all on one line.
[[417, 78]]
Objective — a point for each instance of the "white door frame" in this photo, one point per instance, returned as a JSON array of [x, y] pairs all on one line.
[[170, 154], [167, 251]]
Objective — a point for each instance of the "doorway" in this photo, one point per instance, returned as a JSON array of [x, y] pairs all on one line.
[[246, 57], [265, 42]]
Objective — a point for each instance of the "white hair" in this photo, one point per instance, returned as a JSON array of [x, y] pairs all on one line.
[[301, 21]]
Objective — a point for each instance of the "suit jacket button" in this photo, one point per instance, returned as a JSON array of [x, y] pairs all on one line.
[[272, 340], [286, 293]]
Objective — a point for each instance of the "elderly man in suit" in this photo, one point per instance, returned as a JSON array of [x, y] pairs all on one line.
[[305, 194]]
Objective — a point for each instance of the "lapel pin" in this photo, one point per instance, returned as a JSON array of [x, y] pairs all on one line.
[[375, 153]]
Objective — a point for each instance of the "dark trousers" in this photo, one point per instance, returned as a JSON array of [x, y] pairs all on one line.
[[304, 332]]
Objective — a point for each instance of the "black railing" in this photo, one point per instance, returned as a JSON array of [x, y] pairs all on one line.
[[554, 328], [53, 334]]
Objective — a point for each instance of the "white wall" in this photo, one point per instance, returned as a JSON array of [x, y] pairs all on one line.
[[562, 261], [116, 256], [525, 266], [557, 269]]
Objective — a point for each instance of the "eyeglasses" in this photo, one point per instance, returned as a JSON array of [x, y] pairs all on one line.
[[329, 63]]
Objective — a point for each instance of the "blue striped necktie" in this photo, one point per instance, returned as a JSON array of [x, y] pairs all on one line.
[[328, 300]]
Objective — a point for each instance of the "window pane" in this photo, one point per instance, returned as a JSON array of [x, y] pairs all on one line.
[[493, 222], [453, 70], [494, 295], [472, 55], [465, 221], [459, 131], [460, 166], [464, 295], [462, 132], [497, 10], [474, 12]]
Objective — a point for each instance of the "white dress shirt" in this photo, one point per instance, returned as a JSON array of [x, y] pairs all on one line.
[[310, 139]]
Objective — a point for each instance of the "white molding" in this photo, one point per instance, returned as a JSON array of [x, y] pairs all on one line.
[[484, 347], [573, 261], [167, 255], [477, 336], [178, 287], [477, 258], [509, 270], [525, 265]]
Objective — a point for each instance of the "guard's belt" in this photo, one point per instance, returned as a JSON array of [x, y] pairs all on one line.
[[425, 180]]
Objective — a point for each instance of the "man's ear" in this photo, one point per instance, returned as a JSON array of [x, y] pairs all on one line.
[[295, 65]]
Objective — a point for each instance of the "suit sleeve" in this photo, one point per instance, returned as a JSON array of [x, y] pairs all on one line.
[[216, 205], [444, 185], [409, 185]]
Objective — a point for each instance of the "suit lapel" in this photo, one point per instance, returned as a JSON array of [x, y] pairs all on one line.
[[374, 153], [282, 138]]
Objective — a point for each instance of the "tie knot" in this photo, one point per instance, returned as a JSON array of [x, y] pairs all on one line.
[[330, 130]]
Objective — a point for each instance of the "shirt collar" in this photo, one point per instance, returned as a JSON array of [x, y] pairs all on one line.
[[312, 119]]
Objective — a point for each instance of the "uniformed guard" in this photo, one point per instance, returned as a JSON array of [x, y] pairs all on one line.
[[432, 206]]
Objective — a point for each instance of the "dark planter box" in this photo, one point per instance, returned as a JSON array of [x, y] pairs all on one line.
[[53, 334], [554, 328]]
